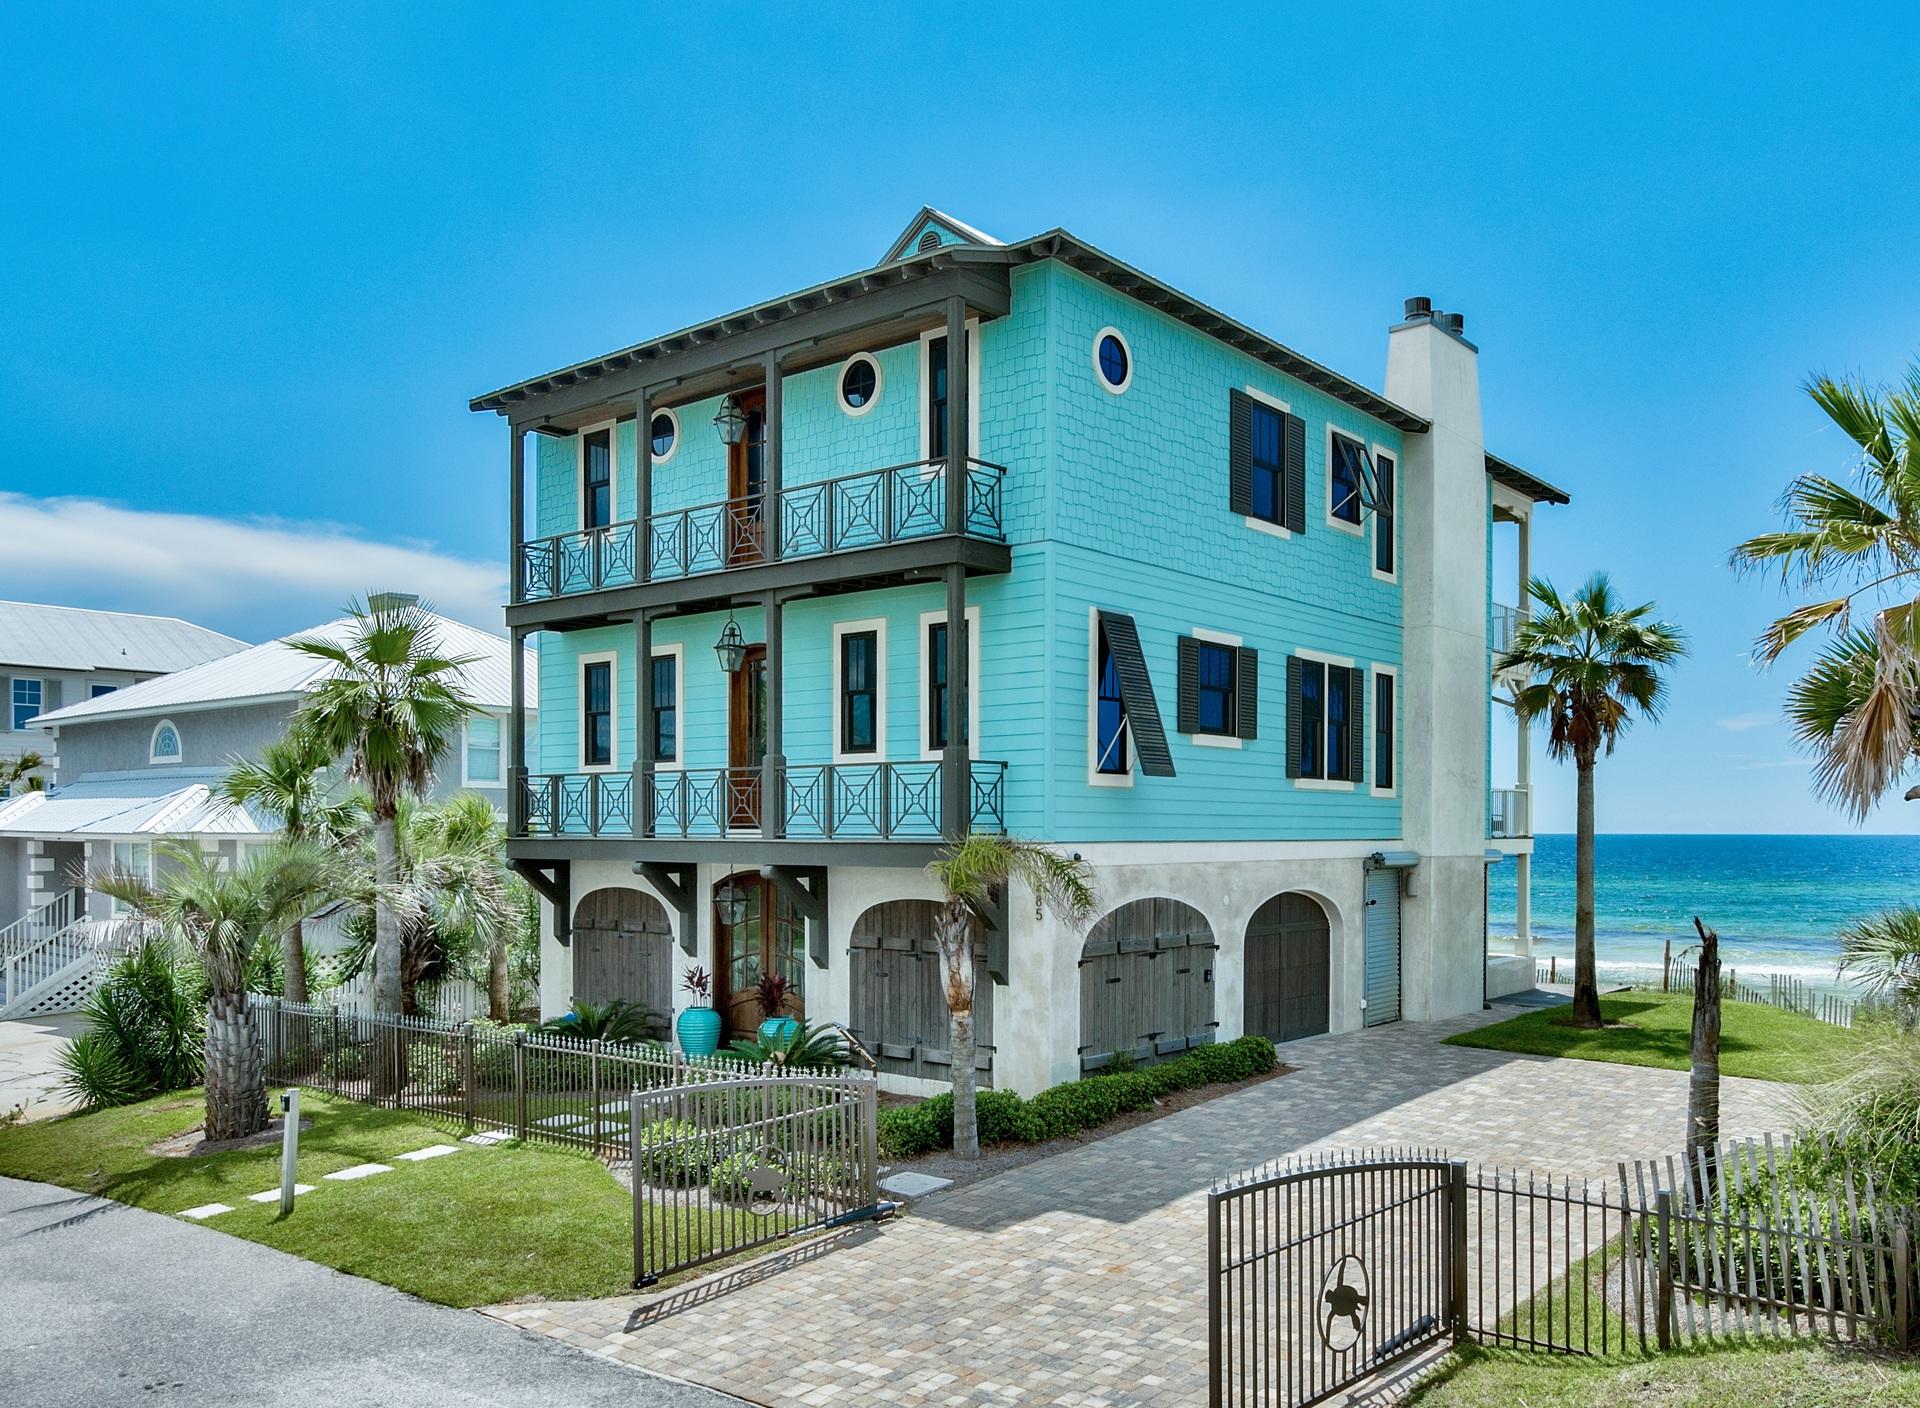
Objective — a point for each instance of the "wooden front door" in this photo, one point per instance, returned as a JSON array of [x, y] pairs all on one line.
[[746, 738], [769, 937], [747, 485], [1287, 969]]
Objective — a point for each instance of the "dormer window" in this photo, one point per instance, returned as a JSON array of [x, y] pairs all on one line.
[[164, 747]]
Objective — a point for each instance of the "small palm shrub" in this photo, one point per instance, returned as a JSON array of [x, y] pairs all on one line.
[[614, 1021], [144, 1029], [800, 1047]]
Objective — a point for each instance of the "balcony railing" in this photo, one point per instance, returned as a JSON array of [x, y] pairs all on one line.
[[897, 504], [820, 801], [1511, 813], [1502, 627]]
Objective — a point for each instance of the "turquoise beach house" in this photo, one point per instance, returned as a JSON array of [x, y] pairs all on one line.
[[1225, 629]]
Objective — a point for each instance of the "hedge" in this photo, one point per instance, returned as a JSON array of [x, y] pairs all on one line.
[[1005, 1118]]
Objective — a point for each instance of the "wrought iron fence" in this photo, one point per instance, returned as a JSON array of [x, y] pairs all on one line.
[[898, 503], [1325, 1271], [725, 1166], [519, 1084]]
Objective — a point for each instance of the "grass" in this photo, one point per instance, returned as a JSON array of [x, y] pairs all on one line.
[[1655, 1029], [474, 1228], [1784, 1375]]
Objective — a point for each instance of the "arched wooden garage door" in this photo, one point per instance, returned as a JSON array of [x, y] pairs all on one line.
[[1146, 983], [1287, 969], [897, 994], [623, 950]]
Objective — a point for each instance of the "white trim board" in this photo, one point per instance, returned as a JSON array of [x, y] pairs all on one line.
[[878, 625]]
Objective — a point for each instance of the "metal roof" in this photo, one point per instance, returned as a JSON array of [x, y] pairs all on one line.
[[1519, 480], [73, 638], [276, 670], [174, 803]]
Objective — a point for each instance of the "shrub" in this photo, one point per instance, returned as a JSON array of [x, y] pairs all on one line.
[[144, 1029], [800, 1046], [675, 1154], [909, 1130]]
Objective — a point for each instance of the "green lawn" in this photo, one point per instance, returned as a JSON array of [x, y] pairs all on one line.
[[1785, 1375], [472, 1228], [1655, 1029]]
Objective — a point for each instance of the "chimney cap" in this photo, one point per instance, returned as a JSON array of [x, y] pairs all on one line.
[[391, 601], [1455, 323], [1418, 308]]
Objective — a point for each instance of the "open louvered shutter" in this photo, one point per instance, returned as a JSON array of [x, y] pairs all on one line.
[[1296, 668], [1293, 462], [1136, 695], [1246, 679], [1240, 452], [1356, 725], [1187, 709]]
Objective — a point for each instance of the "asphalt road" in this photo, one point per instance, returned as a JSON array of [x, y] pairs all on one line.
[[102, 1304]]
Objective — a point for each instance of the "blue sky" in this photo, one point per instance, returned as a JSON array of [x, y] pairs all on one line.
[[258, 257]]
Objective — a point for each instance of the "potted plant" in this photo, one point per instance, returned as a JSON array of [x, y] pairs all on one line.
[[698, 1024], [775, 993]]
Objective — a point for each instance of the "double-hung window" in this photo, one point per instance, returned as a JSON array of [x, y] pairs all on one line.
[[1110, 714], [483, 751], [1383, 732], [1326, 713], [937, 685], [1219, 688], [1266, 462], [663, 706], [132, 858], [1344, 457], [596, 714], [597, 474], [1268, 470], [937, 398], [860, 690], [26, 700], [1383, 517]]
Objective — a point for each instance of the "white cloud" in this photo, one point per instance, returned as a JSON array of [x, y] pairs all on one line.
[[255, 577], [1740, 723]]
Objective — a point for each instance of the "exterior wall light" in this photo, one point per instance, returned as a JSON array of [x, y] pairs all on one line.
[[730, 421], [731, 647]]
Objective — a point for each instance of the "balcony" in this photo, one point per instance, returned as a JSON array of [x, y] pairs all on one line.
[[1511, 815], [819, 802], [1503, 626], [875, 508]]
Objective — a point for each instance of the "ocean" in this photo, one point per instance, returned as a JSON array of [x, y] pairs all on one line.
[[1775, 900]]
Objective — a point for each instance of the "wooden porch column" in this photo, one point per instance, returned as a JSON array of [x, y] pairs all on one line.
[[958, 364], [772, 464], [516, 749], [643, 760], [956, 771], [516, 510], [773, 769], [643, 486]]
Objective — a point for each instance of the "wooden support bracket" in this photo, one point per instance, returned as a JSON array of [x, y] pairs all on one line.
[[805, 887], [552, 881], [677, 885]]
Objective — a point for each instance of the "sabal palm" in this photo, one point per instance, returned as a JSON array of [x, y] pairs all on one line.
[[14, 771], [1588, 665], [969, 871], [391, 706], [1857, 706], [289, 782], [224, 915]]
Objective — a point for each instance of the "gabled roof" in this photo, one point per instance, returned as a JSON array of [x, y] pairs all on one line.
[[945, 231], [73, 638], [276, 670]]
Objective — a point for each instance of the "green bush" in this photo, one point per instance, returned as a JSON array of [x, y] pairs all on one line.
[[1077, 1105], [144, 1029], [675, 1154]]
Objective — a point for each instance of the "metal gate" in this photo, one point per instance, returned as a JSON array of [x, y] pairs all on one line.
[[1323, 1274], [1383, 946], [723, 1166]]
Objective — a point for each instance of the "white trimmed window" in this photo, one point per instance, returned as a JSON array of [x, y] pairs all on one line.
[[933, 683], [132, 858], [599, 712], [860, 690], [26, 701], [482, 754], [164, 746], [663, 434], [859, 384]]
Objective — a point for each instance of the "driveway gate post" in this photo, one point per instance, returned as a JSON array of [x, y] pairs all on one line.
[[1457, 1249]]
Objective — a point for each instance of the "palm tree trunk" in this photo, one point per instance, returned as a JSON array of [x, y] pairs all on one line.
[[236, 1072], [954, 931], [1703, 1084], [1586, 985], [296, 979], [387, 992], [499, 1000]]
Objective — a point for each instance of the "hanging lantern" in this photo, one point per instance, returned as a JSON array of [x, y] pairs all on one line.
[[730, 421], [730, 904], [731, 647]]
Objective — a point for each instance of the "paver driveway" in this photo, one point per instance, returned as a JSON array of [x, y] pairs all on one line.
[[1080, 1279]]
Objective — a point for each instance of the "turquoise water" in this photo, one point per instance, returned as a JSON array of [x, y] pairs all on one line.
[[1775, 900]]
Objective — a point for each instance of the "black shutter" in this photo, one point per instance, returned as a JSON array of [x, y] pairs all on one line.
[[1246, 679], [1240, 452], [1136, 695], [1356, 725], [1293, 453], [1296, 668], [1187, 710]]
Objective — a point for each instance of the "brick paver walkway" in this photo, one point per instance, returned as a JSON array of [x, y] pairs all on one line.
[[1080, 1279]]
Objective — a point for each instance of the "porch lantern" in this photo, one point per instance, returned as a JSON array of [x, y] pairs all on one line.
[[731, 647], [730, 904], [730, 421]]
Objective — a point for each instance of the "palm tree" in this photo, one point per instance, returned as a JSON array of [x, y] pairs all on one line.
[[391, 706], [224, 916], [1881, 954], [1856, 708], [1589, 665], [288, 781], [15, 771], [969, 871]]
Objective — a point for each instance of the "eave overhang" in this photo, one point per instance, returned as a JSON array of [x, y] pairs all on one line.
[[1521, 482]]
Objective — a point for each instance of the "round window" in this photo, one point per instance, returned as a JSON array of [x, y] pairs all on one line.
[[664, 430], [859, 385], [1110, 356]]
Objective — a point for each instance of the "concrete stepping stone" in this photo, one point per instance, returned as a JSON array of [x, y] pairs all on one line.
[[914, 1185], [562, 1121], [347, 1175], [272, 1195], [616, 1107], [432, 1151], [206, 1210], [488, 1136]]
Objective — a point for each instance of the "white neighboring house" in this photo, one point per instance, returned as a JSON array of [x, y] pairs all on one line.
[[144, 764]]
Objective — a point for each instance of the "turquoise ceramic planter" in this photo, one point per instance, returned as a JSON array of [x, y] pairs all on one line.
[[699, 1029], [778, 1028]]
